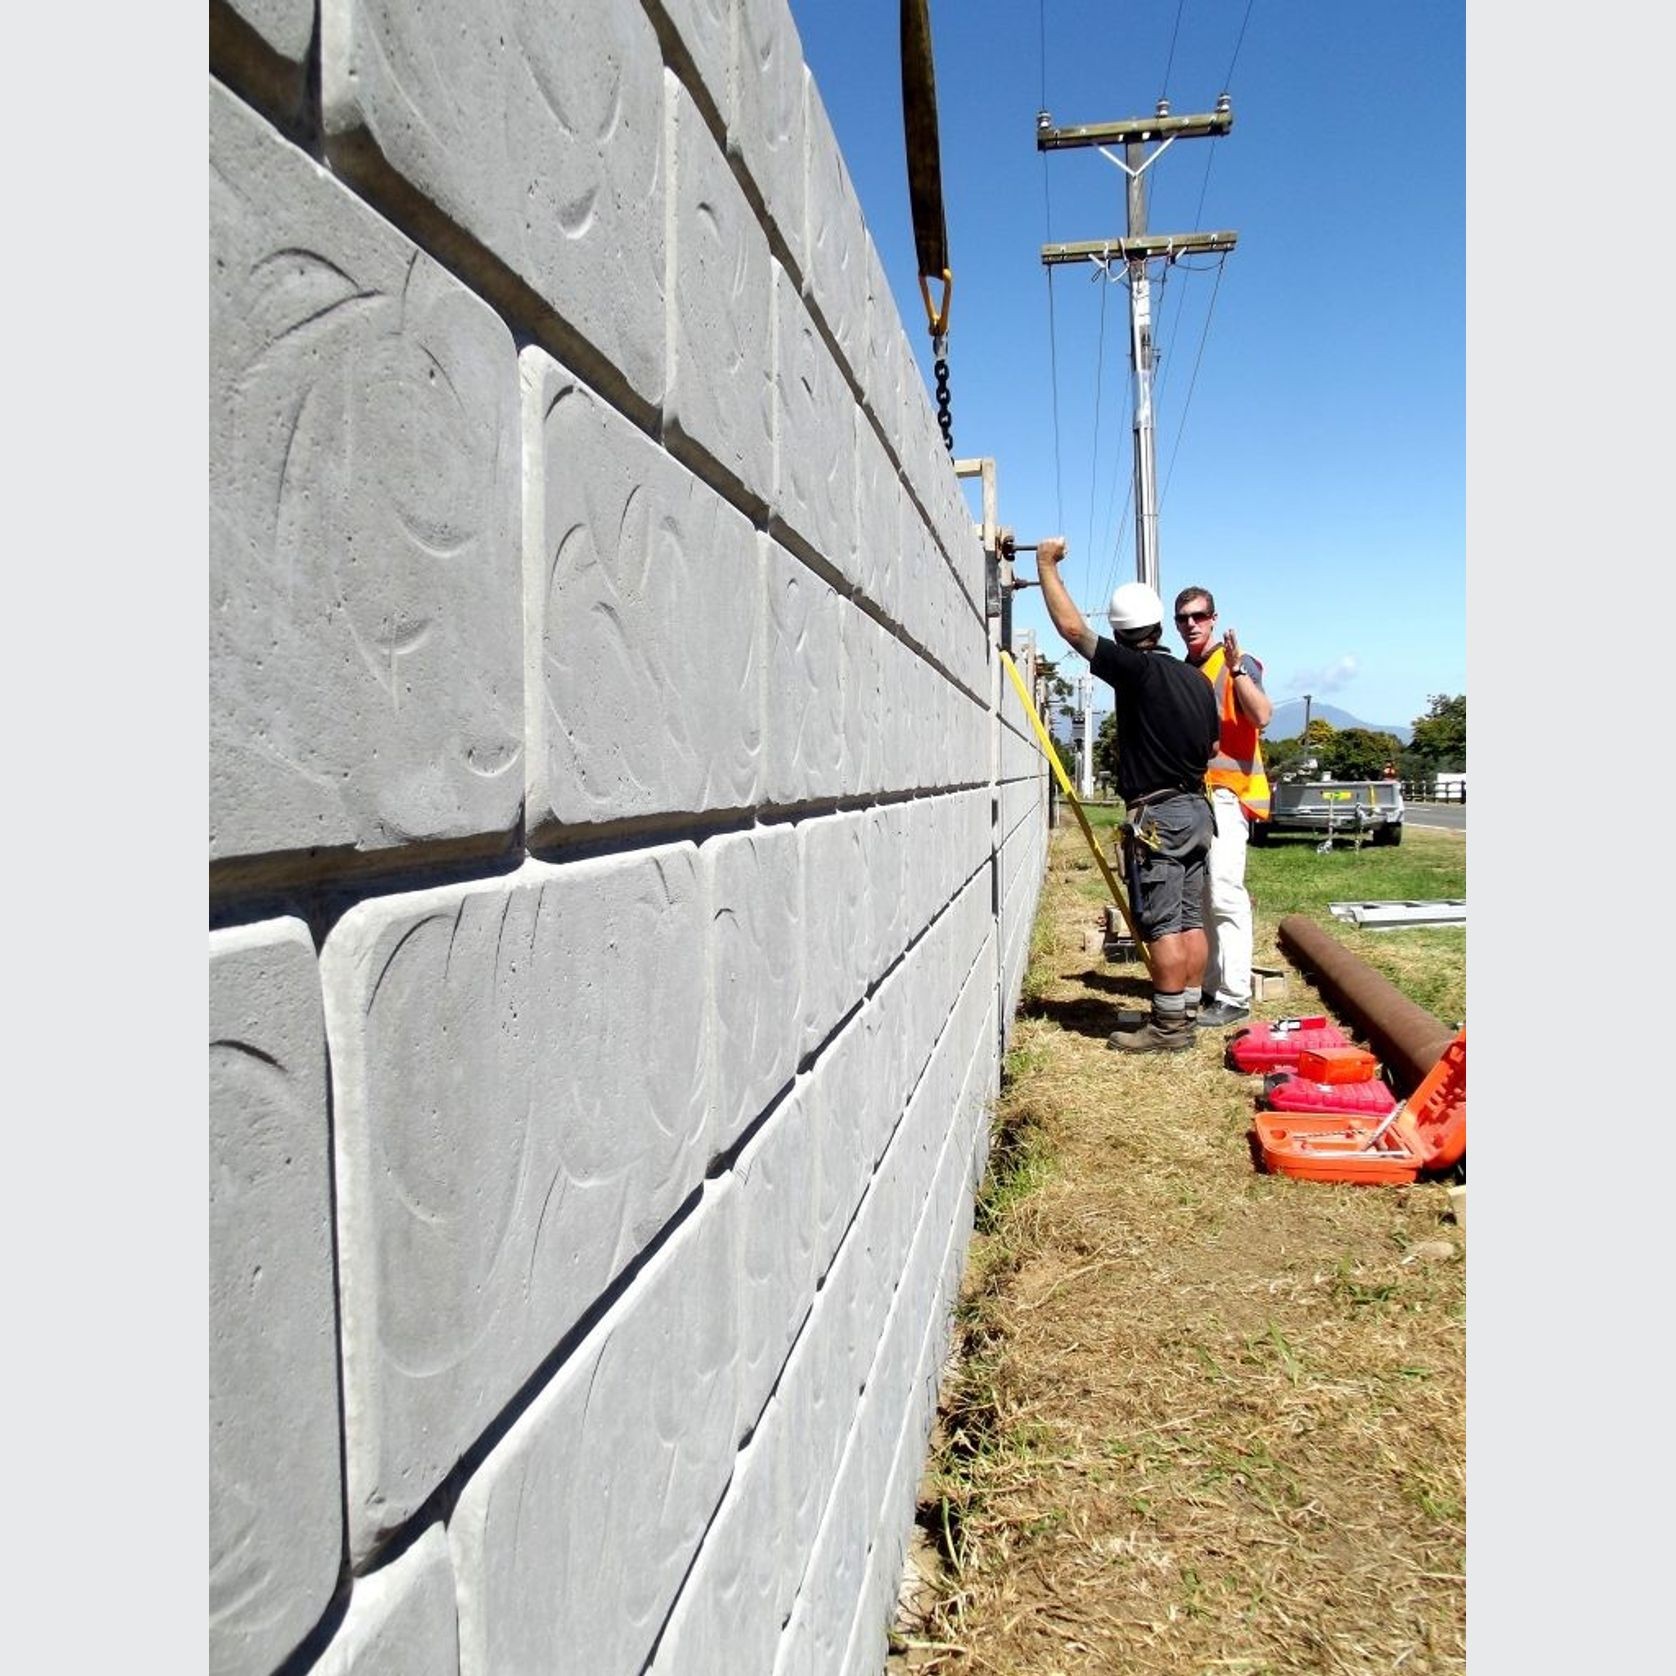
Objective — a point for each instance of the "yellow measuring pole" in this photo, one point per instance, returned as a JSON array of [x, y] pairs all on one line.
[[1082, 819]]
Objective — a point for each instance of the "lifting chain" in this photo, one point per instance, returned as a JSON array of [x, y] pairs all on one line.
[[940, 368]]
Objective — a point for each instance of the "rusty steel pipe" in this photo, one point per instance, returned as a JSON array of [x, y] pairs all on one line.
[[1408, 1039]]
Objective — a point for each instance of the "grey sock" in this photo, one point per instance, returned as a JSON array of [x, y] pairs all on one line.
[[1170, 1006]]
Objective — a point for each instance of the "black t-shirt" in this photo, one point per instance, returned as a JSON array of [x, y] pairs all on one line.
[[1166, 718]]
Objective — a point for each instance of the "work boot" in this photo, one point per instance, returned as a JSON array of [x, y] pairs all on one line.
[[1137, 1018], [1158, 1035], [1221, 1013]]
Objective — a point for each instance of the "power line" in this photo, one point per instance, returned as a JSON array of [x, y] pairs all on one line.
[[1238, 44], [1188, 403], [1099, 383], [1169, 63]]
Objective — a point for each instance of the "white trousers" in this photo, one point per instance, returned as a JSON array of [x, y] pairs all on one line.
[[1227, 905]]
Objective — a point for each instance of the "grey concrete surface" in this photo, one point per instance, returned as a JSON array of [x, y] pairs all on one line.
[[275, 1519], [506, 1143], [721, 377], [365, 685], [644, 642], [572, 1540], [401, 1619], [770, 131], [536, 126]]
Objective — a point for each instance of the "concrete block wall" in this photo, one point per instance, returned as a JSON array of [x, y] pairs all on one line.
[[622, 851]]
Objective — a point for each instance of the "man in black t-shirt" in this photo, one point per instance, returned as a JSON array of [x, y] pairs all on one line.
[[1166, 732]]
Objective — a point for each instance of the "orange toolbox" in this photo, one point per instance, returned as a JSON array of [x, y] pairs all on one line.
[[1337, 1064], [1427, 1132]]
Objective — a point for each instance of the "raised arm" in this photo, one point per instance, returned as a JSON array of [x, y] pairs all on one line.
[[1254, 703], [1066, 618]]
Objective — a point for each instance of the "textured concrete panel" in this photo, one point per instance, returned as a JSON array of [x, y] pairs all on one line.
[[754, 902], [771, 120], [645, 628], [721, 352], [837, 241], [284, 26], [570, 1542], [814, 435], [534, 125], [862, 642], [777, 1185], [840, 1107], [728, 1618], [804, 707], [878, 511], [365, 679], [401, 1618], [836, 913], [275, 1511], [889, 360], [506, 1142], [705, 30]]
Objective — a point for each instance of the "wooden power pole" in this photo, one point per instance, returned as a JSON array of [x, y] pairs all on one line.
[[1135, 251]]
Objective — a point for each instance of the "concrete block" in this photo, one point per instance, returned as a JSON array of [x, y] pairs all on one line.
[[804, 706], [754, 900], [888, 355], [820, 1620], [365, 681], [781, 1232], [878, 511], [401, 1618], [536, 126], [285, 27], [861, 641], [571, 1540], [275, 1509], [721, 388], [771, 124], [888, 868], [814, 435], [838, 1109], [644, 638], [837, 270], [835, 918], [882, 1022], [506, 1143], [731, 1609], [705, 31]]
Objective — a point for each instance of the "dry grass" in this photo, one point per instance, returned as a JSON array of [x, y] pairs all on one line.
[[1202, 1419]]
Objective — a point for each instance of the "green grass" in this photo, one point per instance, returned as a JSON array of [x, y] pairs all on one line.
[[1291, 878]]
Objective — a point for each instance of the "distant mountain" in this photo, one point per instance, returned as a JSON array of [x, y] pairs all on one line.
[[1288, 721]]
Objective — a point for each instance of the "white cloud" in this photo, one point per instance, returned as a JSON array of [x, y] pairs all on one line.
[[1330, 678]]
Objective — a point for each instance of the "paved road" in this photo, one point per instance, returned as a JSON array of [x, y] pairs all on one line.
[[1450, 815]]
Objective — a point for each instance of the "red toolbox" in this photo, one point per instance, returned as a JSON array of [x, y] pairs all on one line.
[[1276, 1046], [1425, 1132], [1292, 1091]]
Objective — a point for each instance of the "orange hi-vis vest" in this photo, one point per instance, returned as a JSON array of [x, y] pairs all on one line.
[[1238, 763]]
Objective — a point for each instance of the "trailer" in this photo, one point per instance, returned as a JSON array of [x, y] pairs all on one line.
[[1360, 810]]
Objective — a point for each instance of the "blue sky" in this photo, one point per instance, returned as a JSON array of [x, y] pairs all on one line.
[[1310, 401]]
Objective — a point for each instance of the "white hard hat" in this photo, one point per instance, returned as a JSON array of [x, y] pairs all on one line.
[[1135, 606]]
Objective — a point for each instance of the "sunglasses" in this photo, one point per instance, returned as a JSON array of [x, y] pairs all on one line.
[[1183, 618]]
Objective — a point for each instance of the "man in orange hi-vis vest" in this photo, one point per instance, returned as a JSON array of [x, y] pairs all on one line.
[[1239, 794]]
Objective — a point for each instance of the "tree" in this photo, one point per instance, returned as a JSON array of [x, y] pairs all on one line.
[[1281, 756], [1358, 753], [1105, 749], [1440, 736]]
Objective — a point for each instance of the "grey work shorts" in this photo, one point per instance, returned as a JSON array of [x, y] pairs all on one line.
[[1168, 842]]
